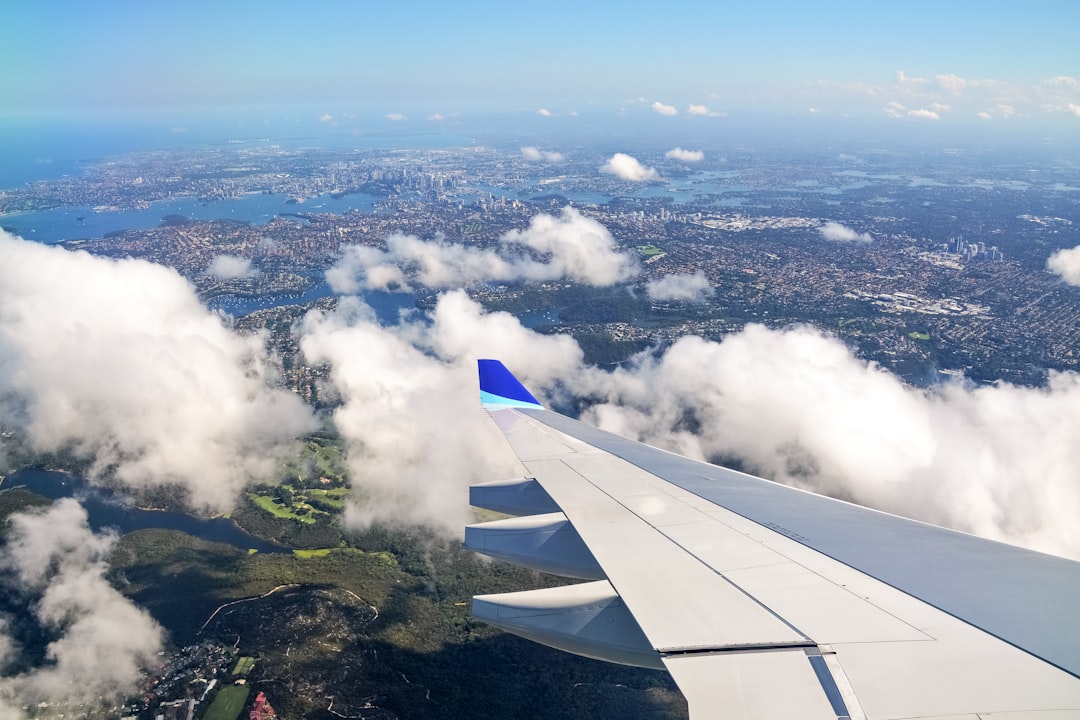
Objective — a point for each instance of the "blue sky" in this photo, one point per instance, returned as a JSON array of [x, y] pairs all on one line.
[[951, 63]]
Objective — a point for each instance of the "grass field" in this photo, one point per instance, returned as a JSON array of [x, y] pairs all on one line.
[[243, 665], [308, 554], [228, 703], [267, 503], [918, 336]]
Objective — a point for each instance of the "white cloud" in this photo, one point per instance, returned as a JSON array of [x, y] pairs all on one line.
[[628, 168], [231, 267], [940, 107], [923, 114], [414, 431], [903, 79], [395, 117], [101, 641], [953, 83], [685, 155], [1064, 81], [436, 117], [1074, 108], [841, 233], [895, 109], [121, 363], [795, 405], [1066, 263], [533, 154], [573, 246], [703, 111], [984, 115], [326, 118], [688, 287], [666, 110], [544, 111]]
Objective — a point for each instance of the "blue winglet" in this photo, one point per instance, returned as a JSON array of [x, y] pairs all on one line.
[[500, 389]]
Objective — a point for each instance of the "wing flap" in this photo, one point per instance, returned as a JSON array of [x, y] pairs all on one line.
[[752, 686]]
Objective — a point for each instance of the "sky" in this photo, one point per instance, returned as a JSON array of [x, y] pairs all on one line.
[[434, 61]]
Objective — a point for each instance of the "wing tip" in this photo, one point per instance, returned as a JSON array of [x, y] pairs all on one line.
[[500, 389]]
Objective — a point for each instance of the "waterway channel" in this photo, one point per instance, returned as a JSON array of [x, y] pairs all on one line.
[[104, 510]]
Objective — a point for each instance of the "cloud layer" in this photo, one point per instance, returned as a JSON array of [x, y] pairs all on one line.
[[796, 406], [627, 167], [119, 362], [571, 245], [101, 640]]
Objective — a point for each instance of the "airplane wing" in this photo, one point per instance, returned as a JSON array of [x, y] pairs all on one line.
[[762, 600]]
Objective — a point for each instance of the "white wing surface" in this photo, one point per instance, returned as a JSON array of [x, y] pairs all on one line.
[[764, 601]]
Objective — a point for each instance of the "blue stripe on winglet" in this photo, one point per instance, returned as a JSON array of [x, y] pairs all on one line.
[[499, 388]]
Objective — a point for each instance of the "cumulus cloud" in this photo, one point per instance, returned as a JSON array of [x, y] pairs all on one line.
[[1064, 81], [1066, 263], [665, 110], [984, 115], [534, 154], [1074, 108], [231, 267], [894, 109], [793, 405], [685, 155], [841, 233], [326, 118], [572, 245], [952, 83], [544, 112], [436, 117], [796, 406], [703, 111], [120, 363], [395, 117], [686, 287], [415, 434], [100, 641], [923, 114], [627, 167], [902, 78]]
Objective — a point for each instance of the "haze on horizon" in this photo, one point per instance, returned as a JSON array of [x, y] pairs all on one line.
[[692, 68]]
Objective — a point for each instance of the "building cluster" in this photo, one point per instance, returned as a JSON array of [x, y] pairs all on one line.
[[971, 251]]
